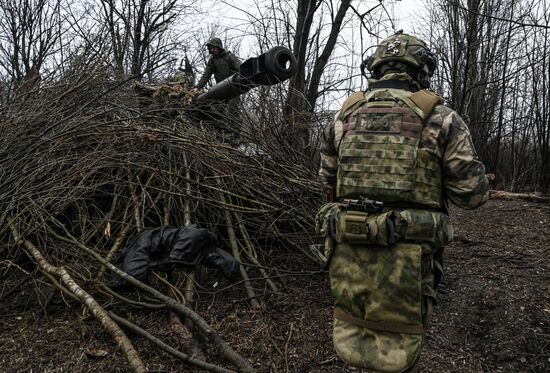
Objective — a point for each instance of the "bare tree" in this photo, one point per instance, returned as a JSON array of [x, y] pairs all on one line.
[[29, 35], [491, 75], [304, 92], [142, 32]]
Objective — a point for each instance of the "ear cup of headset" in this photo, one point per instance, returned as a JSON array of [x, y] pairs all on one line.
[[366, 66]]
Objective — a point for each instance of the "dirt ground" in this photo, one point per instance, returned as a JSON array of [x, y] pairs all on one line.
[[493, 313]]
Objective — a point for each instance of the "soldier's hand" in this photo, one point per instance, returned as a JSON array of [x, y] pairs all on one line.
[[490, 177], [189, 96], [196, 91]]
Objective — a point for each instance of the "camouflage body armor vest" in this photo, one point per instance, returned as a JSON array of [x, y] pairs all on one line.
[[380, 154], [381, 263]]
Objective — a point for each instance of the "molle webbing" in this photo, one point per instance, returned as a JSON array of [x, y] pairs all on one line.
[[393, 327], [405, 122], [380, 155]]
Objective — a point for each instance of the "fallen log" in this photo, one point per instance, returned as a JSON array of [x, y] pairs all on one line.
[[531, 197]]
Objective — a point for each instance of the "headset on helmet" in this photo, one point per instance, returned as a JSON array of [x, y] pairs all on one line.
[[418, 61]]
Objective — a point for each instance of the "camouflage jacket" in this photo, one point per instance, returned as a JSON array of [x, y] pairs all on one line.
[[222, 66], [447, 137]]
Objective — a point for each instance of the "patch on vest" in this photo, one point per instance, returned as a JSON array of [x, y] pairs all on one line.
[[381, 122], [426, 101], [380, 156]]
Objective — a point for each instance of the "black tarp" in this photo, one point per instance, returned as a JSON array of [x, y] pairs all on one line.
[[166, 248]]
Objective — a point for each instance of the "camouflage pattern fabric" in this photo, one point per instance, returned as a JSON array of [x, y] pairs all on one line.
[[222, 66], [365, 228], [403, 53], [383, 285], [325, 224], [398, 47], [379, 154], [444, 135], [432, 227], [395, 283], [408, 225]]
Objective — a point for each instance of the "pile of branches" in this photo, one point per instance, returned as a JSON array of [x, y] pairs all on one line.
[[84, 168]]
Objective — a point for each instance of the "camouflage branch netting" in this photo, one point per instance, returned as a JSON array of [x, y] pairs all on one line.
[[85, 161], [90, 158]]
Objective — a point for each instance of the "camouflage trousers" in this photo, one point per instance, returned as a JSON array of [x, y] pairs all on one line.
[[229, 130], [383, 302], [224, 119]]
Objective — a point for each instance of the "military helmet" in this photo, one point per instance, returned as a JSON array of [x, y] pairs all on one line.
[[405, 52], [215, 42]]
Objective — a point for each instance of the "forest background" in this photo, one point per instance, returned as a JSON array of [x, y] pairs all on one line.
[[493, 57], [86, 164]]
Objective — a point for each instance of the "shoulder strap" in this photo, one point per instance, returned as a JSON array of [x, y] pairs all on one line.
[[426, 101], [351, 103], [422, 103]]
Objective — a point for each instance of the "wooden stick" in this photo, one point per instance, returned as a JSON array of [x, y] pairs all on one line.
[[198, 321], [110, 292], [235, 251], [114, 250], [167, 348], [131, 355], [500, 194], [252, 255]]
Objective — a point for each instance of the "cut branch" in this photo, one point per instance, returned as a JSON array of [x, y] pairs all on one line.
[[131, 355], [499, 194], [167, 348]]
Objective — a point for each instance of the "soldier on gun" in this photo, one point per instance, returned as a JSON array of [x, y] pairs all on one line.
[[391, 160], [222, 64]]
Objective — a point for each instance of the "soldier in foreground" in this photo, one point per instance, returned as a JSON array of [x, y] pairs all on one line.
[[223, 64], [390, 162]]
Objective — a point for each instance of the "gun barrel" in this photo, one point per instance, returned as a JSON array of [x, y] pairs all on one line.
[[272, 67]]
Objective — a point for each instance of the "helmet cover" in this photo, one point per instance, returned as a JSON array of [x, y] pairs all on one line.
[[405, 48]]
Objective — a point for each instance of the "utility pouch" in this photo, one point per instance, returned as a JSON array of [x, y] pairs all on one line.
[[379, 310], [426, 226], [326, 222], [360, 227]]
